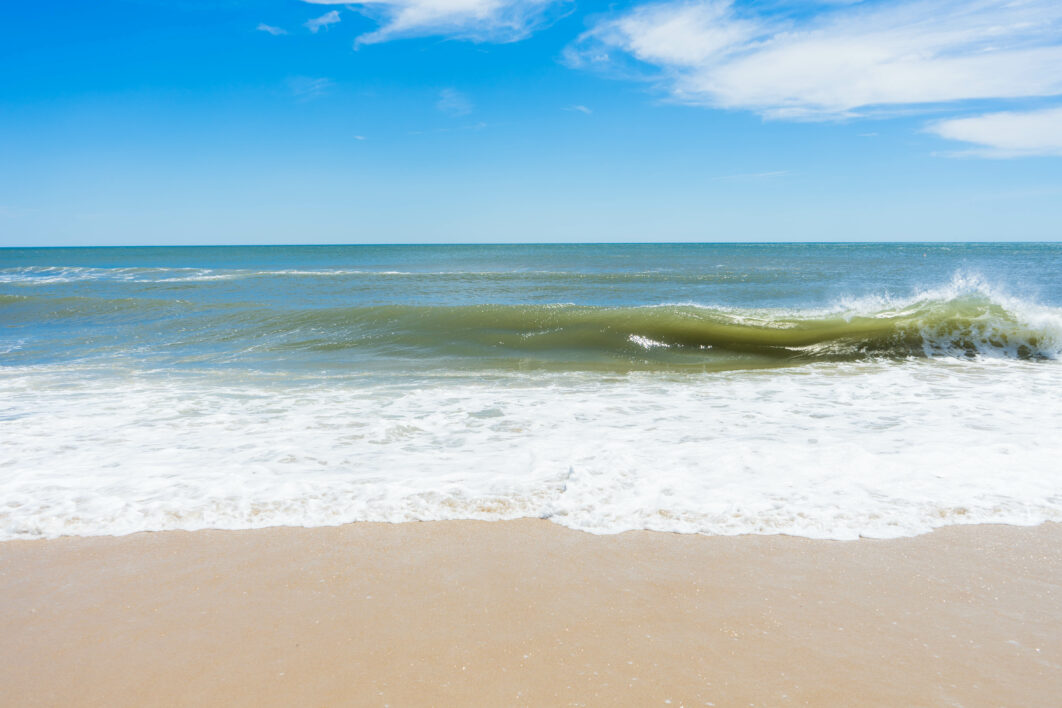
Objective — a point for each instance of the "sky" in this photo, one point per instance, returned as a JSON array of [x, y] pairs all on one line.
[[423, 121]]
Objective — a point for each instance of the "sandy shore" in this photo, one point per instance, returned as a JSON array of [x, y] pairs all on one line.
[[530, 613]]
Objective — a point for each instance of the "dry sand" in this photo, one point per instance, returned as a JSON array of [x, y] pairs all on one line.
[[530, 613]]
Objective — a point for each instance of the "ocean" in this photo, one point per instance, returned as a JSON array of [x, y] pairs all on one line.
[[821, 390]]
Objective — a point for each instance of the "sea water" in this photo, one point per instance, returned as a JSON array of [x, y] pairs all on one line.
[[822, 390]]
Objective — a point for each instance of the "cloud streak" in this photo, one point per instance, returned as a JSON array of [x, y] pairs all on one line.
[[306, 88], [275, 31], [474, 20], [329, 18], [838, 60], [1006, 134]]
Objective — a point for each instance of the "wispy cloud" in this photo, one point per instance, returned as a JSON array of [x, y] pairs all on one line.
[[475, 20], [263, 27], [580, 109], [329, 18], [305, 88], [836, 60], [453, 103], [1006, 134]]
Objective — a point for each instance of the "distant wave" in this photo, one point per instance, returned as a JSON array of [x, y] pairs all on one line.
[[50, 275], [45, 275]]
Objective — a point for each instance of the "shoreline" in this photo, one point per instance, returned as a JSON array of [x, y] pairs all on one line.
[[527, 612]]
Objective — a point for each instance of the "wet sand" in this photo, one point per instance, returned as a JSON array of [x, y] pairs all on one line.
[[530, 613]]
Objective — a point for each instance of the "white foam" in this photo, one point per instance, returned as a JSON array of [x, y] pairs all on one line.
[[46, 275], [41, 275], [831, 451]]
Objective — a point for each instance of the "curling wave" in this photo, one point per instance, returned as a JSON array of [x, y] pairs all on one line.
[[961, 325], [678, 335]]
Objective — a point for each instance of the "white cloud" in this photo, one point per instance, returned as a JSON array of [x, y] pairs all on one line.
[[475, 20], [329, 18], [580, 109], [454, 103], [263, 27], [1007, 134], [836, 60]]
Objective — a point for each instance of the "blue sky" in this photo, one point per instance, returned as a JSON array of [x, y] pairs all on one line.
[[187, 122]]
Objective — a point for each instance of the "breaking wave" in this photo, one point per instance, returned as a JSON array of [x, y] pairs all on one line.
[[965, 319]]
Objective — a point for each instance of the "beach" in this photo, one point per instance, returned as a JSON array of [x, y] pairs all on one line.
[[402, 353], [527, 612], [699, 474]]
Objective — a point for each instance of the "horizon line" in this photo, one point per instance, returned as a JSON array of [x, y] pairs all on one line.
[[533, 243]]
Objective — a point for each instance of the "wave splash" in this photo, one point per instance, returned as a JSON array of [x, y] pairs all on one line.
[[969, 317]]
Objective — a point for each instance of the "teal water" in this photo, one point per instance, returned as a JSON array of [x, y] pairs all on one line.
[[822, 390]]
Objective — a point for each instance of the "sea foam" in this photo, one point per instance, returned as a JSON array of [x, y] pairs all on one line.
[[826, 451]]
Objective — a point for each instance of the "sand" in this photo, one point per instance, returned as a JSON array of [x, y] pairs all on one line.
[[530, 613]]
